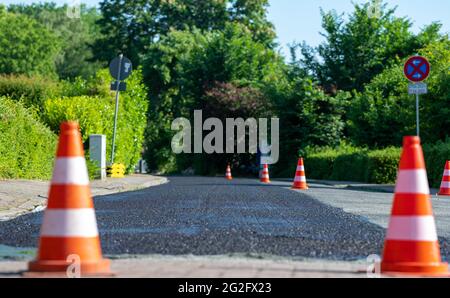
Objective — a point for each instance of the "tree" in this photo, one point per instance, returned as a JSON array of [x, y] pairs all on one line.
[[76, 36], [384, 112], [184, 66], [356, 51], [26, 46], [131, 27]]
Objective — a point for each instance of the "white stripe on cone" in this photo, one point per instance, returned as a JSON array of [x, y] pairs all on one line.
[[69, 223], [447, 173], [412, 228], [445, 184], [300, 179], [413, 182], [70, 170], [300, 168]]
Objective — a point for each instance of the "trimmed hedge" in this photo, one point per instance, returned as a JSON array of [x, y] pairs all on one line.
[[96, 115], [348, 163], [27, 147], [32, 91]]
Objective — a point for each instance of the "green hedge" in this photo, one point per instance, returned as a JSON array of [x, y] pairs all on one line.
[[27, 147], [96, 114], [377, 166], [32, 91]]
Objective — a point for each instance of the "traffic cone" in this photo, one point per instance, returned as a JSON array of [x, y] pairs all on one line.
[[228, 173], [300, 177], [69, 227], [445, 185], [411, 245], [265, 174]]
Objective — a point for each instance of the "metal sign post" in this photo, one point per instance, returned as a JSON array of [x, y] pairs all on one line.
[[417, 69], [120, 69]]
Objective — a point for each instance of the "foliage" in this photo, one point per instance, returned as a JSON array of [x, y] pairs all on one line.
[[384, 113], [183, 66], [32, 91], [96, 113], [357, 50], [132, 26], [27, 147], [348, 163], [27, 47], [76, 35]]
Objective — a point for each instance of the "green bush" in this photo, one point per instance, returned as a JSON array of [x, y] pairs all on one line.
[[378, 166], [96, 115], [27, 147], [32, 91]]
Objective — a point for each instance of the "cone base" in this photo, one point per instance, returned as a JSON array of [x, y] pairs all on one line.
[[265, 181], [300, 188], [415, 269], [93, 268]]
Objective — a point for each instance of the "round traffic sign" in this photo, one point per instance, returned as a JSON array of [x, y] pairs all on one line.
[[126, 67], [417, 69]]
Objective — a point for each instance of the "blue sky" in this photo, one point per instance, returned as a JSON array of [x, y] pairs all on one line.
[[298, 20]]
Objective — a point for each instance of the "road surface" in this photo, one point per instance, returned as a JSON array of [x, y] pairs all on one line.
[[211, 216]]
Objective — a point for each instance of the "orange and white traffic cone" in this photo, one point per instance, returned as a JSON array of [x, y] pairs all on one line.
[[445, 185], [411, 245], [228, 173], [300, 177], [69, 229], [265, 174]]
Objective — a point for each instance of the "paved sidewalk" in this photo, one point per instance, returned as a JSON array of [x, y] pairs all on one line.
[[217, 267], [18, 197]]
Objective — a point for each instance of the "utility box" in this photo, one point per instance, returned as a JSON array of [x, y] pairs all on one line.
[[97, 153]]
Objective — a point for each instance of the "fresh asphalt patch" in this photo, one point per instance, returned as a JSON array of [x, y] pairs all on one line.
[[211, 216]]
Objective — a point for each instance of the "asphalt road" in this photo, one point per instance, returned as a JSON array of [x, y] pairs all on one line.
[[211, 216]]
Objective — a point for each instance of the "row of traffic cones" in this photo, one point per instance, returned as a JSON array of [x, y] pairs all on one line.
[[69, 231], [299, 180]]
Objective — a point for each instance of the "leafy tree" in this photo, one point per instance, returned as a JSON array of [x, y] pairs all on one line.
[[382, 114], [27, 47], [357, 50], [131, 27], [76, 36], [183, 66]]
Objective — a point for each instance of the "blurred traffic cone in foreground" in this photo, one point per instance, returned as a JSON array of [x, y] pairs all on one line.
[[228, 173], [411, 245], [300, 177], [445, 185], [69, 235], [265, 174]]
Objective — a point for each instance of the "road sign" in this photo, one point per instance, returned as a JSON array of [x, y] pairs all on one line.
[[126, 68], [417, 69], [418, 88], [122, 86]]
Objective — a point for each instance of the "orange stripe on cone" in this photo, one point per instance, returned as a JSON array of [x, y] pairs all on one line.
[[411, 245], [69, 226], [300, 176], [265, 174], [228, 175], [445, 185]]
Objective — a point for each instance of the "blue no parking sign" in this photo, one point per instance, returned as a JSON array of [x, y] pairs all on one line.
[[417, 69]]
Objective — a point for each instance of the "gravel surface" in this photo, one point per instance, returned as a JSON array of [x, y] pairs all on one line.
[[210, 216]]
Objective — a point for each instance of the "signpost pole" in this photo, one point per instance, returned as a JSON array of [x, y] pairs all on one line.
[[116, 111], [417, 115]]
